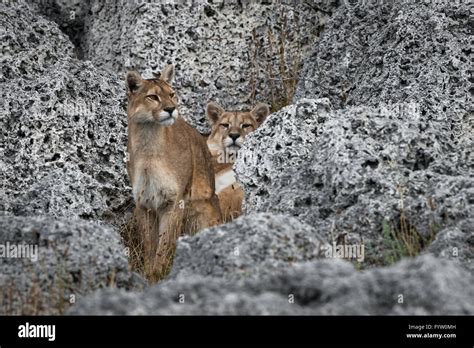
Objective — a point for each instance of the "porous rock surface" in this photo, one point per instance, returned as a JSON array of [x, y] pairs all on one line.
[[249, 247], [381, 126], [422, 286], [63, 125], [70, 15], [62, 146], [398, 141], [72, 258], [221, 49]]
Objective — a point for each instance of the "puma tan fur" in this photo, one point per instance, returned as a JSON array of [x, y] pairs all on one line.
[[228, 130], [170, 171]]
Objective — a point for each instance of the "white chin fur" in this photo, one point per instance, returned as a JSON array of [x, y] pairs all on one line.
[[166, 119], [228, 142], [168, 122]]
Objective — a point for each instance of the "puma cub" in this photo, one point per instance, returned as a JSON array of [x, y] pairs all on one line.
[[170, 171], [228, 130]]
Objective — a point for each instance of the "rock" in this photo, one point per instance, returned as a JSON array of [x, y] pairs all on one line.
[[217, 53], [456, 243], [366, 166], [66, 260], [393, 52], [69, 15], [63, 126], [249, 247], [426, 286], [277, 150], [396, 153]]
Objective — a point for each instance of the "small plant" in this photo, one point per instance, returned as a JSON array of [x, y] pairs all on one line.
[[403, 239], [282, 65]]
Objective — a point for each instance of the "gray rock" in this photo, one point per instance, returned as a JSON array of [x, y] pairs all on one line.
[[394, 51], [277, 150], [67, 257], [398, 145], [249, 247], [424, 286], [365, 166], [63, 126], [70, 16], [456, 243], [217, 53]]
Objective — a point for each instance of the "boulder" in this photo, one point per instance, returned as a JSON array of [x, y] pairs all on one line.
[[394, 151], [63, 125], [48, 264], [249, 247], [397, 51], [422, 286], [221, 49]]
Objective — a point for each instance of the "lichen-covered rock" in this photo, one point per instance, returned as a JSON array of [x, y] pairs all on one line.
[[424, 286], [249, 247], [396, 148], [62, 124], [221, 49], [61, 261]]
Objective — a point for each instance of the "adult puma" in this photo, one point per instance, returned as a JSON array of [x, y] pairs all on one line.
[[228, 130], [170, 170]]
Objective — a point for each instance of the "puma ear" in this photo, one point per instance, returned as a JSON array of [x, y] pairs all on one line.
[[260, 112], [213, 112], [133, 81], [167, 74]]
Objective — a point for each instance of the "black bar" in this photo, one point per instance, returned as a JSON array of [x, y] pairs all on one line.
[[288, 330]]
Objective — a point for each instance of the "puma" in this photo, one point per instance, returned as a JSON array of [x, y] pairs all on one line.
[[228, 131], [170, 171]]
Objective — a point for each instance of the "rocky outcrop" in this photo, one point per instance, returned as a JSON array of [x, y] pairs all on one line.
[[363, 167], [221, 49], [397, 51], [378, 141], [456, 243], [63, 124], [62, 144], [422, 286], [47, 265], [250, 247], [70, 15], [395, 151]]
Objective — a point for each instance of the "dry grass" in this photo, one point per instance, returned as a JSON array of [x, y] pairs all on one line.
[[281, 67], [35, 300], [50, 294], [402, 239], [131, 237]]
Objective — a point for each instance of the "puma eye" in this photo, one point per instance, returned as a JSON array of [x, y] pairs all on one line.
[[246, 125], [172, 95], [225, 125], [153, 97]]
